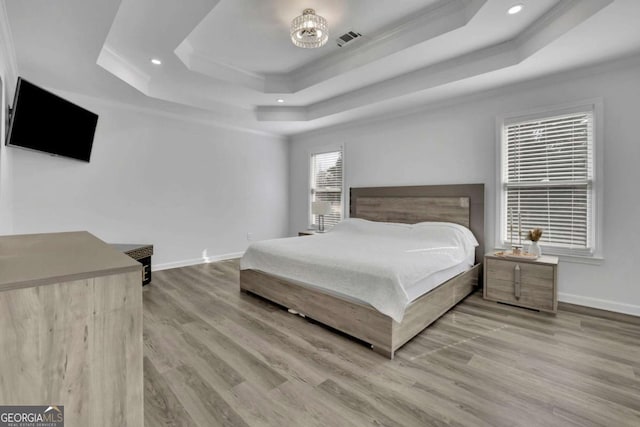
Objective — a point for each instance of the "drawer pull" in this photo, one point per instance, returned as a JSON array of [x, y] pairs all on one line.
[[516, 274]]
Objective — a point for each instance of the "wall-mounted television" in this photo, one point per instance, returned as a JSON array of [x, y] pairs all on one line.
[[45, 122]]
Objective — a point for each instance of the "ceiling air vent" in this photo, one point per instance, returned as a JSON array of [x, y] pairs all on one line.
[[347, 37]]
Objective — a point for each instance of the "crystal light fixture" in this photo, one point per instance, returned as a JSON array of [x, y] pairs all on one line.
[[309, 30]]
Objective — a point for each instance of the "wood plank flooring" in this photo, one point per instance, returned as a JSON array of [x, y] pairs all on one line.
[[214, 356]]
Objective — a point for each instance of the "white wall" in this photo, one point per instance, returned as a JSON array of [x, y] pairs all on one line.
[[8, 75], [456, 143], [191, 189]]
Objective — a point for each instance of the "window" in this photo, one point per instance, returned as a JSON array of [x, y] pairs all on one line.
[[326, 185], [547, 180]]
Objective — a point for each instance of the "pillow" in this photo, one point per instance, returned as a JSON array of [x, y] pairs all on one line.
[[424, 229], [372, 227], [456, 233]]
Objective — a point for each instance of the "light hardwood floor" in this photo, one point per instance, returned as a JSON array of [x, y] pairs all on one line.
[[214, 356]]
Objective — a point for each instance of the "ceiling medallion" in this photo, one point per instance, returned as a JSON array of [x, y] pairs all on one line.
[[309, 30]]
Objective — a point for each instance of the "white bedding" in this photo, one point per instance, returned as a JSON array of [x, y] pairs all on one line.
[[420, 288], [374, 262]]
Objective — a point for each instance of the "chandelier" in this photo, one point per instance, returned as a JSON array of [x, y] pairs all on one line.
[[309, 30]]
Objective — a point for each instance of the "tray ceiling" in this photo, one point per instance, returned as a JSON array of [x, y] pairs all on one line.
[[231, 60]]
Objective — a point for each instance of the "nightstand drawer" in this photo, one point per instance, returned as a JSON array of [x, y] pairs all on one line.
[[537, 297], [530, 274], [530, 283]]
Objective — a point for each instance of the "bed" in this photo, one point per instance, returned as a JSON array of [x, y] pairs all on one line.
[[420, 205]]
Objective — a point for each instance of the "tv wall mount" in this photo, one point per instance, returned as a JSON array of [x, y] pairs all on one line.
[[7, 121]]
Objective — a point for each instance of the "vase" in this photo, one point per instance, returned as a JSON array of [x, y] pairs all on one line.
[[534, 249]]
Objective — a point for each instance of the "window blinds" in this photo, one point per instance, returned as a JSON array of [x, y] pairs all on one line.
[[326, 184], [548, 178]]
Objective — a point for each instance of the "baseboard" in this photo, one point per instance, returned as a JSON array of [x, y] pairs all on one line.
[[195, 261], [599, 304]]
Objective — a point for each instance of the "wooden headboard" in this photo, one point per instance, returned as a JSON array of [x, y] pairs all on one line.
[[459, 203]]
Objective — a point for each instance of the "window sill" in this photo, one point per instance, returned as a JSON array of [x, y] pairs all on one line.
[[574, 259]]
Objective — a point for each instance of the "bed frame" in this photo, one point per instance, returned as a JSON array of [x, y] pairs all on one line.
[[461, 204]]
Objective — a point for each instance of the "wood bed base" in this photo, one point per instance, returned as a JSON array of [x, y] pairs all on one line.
[[459, 203], [361, 320]]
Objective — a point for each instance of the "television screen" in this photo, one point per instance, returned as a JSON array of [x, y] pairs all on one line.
[[45, 122]]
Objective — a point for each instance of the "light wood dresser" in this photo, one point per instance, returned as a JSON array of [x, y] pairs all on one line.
[[522, 282], [71, 328]]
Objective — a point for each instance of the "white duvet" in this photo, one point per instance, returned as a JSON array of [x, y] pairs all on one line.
[[370, 261]]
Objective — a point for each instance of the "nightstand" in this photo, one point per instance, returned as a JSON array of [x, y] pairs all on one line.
[[307, 233], [522, 282], [141, 253]]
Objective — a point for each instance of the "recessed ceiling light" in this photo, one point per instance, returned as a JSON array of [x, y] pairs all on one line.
[[279, 100], [156, 61], [515, 9]]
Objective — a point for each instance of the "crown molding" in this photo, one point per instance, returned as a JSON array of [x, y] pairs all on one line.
[[610, 65], [196, 61], [431, 22], [560, 19], [566, 15], [110, 60]]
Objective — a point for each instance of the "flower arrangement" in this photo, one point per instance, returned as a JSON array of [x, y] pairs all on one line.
[[535, 234]]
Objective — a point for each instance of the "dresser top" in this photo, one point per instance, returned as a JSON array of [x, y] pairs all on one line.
[[40, 259]]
